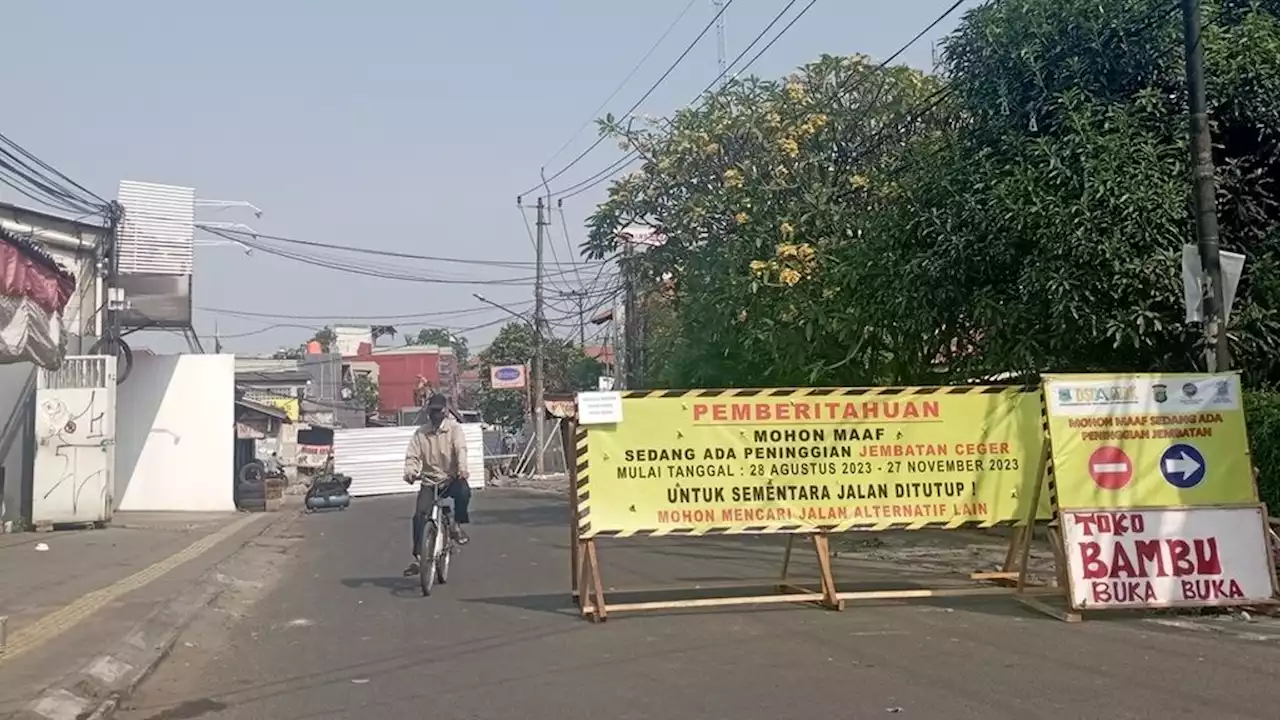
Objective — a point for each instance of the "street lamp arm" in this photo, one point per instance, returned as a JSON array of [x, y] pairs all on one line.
[[504, 309]]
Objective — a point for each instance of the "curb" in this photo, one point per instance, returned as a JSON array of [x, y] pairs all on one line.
[[97, 689]]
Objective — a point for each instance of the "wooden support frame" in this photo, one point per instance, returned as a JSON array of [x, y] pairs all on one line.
[[588, 593], [1034, 601]]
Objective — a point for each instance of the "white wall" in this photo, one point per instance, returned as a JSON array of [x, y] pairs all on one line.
[[175, 434]]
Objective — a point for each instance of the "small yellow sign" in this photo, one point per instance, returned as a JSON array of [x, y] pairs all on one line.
[[1149, 441], [288, 405], [769, 461]]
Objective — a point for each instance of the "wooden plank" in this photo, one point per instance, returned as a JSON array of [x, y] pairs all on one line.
[[917, 593], [822, 546], [717, 602], [597, 585]]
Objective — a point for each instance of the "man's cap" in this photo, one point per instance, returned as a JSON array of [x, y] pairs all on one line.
[[437, 402]]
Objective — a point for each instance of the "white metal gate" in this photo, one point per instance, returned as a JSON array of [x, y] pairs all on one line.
[[374, 458], [75, 431]]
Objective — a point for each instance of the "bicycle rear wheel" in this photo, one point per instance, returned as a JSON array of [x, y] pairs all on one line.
[[427, 565]]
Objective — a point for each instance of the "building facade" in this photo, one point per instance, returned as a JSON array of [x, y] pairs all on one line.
[[78, 248]]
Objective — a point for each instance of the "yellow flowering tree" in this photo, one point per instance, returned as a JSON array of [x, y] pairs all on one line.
[[761, 191]]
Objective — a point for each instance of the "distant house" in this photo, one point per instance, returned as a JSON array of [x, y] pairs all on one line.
[[602, 353]]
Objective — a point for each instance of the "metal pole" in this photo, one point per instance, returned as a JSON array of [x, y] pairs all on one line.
[[582, 320], [539, 409], [1217, 353]]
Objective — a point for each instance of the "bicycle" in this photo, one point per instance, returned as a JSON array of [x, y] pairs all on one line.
[[434, 565]]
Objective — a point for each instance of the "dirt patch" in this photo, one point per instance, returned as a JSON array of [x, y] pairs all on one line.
[[549, 484], [946, 552]]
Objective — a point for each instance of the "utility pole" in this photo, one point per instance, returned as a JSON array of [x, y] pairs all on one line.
[[1217, 354], [580, 296], [629, 340], [718, 6], [539, 382]]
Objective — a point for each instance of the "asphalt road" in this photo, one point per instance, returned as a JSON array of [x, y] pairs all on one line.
[[341, 635]]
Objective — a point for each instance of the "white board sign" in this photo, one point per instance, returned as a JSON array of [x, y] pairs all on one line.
[[1173, 557], [599, 408], [508, 377], [1232, 265]]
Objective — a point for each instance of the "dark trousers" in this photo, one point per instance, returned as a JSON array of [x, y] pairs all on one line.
[[459, 490]]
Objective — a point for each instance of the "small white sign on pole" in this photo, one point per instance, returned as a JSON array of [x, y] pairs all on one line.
[[507, 377], [1192, 295], [1172, 557], [599, 408]]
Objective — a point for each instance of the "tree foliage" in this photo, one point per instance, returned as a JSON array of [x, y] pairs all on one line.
[[325, 336], [366, 392], [441, 337], [568, 369], [1022, 212]]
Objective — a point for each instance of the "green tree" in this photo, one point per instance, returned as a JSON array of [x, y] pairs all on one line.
[[325, 336], [568, 369], [1057, 204], [366, 392], [850, 225], [443, 338], [757, 191]]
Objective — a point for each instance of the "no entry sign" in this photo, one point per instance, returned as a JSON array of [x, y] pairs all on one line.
[[1110, 468]]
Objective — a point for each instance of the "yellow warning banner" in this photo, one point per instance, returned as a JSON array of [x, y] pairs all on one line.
[[1149, 441], [788, 460]]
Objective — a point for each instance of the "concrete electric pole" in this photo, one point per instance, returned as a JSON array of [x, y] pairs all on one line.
[[539, 368], [1217, 354]]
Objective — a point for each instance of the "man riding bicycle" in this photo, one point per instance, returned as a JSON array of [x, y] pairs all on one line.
[[437, 456]]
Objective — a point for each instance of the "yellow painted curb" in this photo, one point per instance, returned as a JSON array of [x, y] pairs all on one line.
[[67, 617]]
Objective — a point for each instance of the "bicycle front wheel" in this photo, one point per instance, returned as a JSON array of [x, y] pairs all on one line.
[[427, 566], [442, 564]]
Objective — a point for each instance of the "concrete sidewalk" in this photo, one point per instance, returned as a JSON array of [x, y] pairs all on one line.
[[52, 584]]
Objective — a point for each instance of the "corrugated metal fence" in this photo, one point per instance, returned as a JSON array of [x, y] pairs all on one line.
[[374, 458]]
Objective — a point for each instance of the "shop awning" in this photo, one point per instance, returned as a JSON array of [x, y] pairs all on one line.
[[34, 291]]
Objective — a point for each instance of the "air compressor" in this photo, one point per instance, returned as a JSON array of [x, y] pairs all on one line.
[[328, 492]]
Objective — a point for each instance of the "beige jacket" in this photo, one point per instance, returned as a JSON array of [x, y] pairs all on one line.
[[438, 454]]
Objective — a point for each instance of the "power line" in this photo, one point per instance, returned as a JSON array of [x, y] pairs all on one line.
[[534, 241], [338, 316], [228, 233], [568, 244], [613, 169], [45, 184], [843, 89], [345, 265], [595, 114], [637, 104]]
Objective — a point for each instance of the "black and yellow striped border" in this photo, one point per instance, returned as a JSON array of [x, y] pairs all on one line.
[[583, 469], [582, 477], [835, 391], [1050, 479]]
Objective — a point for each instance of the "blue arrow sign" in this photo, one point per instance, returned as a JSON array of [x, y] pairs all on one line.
[[1183, 466]]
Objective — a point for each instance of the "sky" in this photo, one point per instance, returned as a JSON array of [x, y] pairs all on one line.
[[397, 125]]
